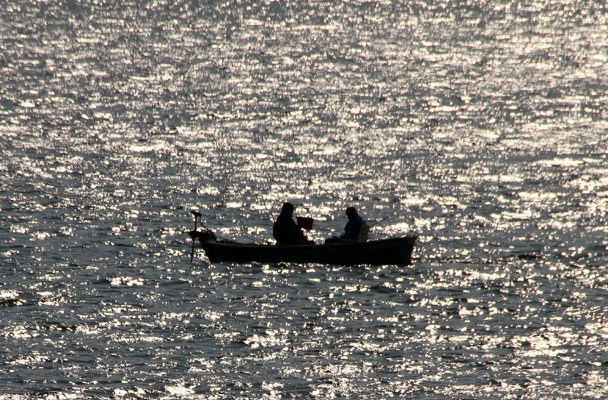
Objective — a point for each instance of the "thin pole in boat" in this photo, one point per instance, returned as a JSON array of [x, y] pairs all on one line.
[[197, 215]]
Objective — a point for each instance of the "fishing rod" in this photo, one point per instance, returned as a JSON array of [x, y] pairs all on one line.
[[198, 215], [245, 236]]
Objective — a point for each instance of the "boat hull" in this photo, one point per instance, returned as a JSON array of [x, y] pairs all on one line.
[[397, 251]]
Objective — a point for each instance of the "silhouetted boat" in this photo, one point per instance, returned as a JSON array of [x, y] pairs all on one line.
[[397, 251]]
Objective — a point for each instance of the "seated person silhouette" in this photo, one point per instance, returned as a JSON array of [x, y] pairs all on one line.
[[285, 230], [355, 229]]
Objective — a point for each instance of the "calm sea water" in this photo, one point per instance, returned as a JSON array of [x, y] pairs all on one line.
[[481, 126]]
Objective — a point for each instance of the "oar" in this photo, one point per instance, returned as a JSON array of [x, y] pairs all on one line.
[[197, 215]]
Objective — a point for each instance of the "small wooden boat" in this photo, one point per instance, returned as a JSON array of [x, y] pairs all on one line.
[[396, 251]]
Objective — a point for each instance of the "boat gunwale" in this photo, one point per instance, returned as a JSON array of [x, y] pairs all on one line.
[[338, 245]]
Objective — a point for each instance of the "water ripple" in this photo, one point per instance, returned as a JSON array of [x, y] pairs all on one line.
[[479, 126]]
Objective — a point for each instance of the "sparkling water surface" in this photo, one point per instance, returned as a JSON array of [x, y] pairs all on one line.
[[481, 126]]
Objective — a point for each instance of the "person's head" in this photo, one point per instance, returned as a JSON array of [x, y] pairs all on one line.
[[287, 208], [351, 212]]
